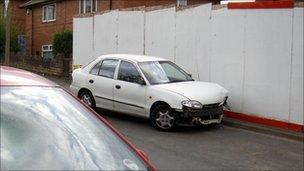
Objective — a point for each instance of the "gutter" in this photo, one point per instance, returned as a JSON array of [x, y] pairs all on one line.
[[31, 4]]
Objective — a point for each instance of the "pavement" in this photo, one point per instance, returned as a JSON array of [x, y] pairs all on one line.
[[230, 146]]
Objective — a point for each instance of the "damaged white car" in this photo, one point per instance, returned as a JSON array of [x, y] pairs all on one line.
[[150, 87]]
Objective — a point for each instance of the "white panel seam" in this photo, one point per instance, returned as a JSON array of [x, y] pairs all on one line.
[[144, 34], [244, 59], [291, 68]]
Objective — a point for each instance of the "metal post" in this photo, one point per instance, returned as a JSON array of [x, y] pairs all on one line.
[[7, 35]]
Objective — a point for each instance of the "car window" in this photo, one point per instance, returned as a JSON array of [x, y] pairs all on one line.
[[162, 72], [47, 129], [172, 72], [95, 69], [128, 72], [108, 67]]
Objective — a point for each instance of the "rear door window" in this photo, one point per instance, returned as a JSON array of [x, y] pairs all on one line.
[[108, 67]]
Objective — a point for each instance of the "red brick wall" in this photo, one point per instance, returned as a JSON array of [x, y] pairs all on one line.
[[17, 14]]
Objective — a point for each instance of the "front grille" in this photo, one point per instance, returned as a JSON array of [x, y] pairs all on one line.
[[214, 110], [210, 106], [209, 117]]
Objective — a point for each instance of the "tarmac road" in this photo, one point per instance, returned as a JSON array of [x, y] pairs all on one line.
[[207, 148]]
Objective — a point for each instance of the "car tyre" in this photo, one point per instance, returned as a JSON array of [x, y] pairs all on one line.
[[163, 118], [87, 98]]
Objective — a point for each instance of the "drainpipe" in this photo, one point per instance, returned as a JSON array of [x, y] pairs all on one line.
[[110, 5], [32, 39]]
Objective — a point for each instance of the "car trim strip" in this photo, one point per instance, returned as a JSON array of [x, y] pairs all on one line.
[[120, 102]]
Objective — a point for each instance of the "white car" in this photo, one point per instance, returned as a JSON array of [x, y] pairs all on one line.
[[150, 87]]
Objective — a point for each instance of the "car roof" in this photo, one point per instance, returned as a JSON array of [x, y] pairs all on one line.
[[16, 77], [134, 58]]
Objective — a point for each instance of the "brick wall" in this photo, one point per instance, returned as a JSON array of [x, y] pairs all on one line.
[[18, 14], [39, 65]]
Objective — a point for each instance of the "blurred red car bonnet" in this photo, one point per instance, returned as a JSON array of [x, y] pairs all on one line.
[[12, 77]]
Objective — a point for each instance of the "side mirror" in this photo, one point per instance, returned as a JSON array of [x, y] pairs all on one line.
[[189, 75]]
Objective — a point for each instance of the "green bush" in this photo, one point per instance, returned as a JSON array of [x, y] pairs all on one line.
[[63, 43]]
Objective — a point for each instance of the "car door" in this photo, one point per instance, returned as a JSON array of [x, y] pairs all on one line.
[[101, 81], [129, 90]]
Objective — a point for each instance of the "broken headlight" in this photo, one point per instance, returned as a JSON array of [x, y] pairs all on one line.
[[192, 104]]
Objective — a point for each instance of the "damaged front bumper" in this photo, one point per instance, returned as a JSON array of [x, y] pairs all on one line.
[[209, 114]]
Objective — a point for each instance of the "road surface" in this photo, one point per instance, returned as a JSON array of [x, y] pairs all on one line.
[[207, 148]]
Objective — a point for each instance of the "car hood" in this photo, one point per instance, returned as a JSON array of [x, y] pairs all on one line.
[[204, 92]]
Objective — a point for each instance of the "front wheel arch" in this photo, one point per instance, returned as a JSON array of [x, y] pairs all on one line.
[[157, 103], [161, 105]]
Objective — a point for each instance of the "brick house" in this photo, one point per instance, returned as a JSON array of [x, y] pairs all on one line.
[[43, 18]]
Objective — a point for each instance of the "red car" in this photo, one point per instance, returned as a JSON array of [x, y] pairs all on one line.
[[44, 127]]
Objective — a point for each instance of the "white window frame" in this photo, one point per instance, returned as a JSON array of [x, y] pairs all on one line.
[[49, 49], [84, 9], [182, 3], [55, 11]]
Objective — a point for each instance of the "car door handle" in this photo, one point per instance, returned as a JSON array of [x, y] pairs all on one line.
[[117, 86], [91, 81]]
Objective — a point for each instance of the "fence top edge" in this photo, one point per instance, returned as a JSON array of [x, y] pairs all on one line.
[[140, 8], [160, 7], [218, 6]]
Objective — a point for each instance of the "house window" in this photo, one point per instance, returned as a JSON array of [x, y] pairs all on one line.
[[181, 2], [49, 13], [47, 51], [87, 6]]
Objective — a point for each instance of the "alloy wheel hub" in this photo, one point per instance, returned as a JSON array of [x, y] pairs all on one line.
[[164, 120], [86, 99]]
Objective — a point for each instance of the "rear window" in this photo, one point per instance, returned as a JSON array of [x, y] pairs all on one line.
[[96, 68], [46, 128]]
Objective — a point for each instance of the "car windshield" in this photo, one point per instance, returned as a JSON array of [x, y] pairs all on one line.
[[46, 128], [160, 72]]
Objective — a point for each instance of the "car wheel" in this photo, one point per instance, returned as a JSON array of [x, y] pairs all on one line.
[[87, 98], [163, 118]]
